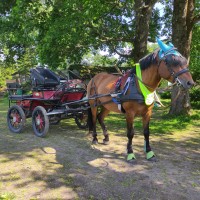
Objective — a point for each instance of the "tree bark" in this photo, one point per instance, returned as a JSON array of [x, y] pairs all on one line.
[[182, 24], [143, 11], [180, 101]]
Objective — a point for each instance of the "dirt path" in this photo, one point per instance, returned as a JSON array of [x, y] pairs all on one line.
[[66, 166]]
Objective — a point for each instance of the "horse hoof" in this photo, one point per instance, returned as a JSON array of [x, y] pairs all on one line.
[[153, 159], [95, 142], [131, 158], [106, 142], [151, 156]]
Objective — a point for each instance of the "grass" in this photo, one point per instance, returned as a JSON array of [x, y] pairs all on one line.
[[7, 196], [161, 123], [65, 162]]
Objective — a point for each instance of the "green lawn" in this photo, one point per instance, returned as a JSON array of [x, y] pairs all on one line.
[[161, 122], [65, 165]]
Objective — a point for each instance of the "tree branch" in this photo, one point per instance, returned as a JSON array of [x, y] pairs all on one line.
[[123, 55], [147, 3], [152, 2]]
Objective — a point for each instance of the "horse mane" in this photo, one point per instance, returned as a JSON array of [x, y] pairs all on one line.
[[148, 60], [171, 60]]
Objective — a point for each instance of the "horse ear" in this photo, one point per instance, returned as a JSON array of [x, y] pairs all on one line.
[[162, 45], [165, 48], [171, 45]]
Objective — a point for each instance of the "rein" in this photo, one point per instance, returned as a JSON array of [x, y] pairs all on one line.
[[96, 96]]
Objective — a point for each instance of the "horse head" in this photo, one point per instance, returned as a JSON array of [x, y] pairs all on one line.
[[173, 66]]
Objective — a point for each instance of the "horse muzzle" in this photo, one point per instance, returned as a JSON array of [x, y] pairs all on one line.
[[183, 78], [186, 84]]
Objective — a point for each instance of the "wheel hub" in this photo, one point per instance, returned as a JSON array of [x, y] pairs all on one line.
[[38, 121], [14, 119]]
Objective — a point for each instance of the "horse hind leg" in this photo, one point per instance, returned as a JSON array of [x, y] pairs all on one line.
[[104, 112], [130, 134], [92, 118]]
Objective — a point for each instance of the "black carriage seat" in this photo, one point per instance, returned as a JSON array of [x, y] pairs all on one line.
[[45, 78], [13, 87]]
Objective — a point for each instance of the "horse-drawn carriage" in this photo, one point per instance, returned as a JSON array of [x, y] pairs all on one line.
[[52, 98], [131, 94]]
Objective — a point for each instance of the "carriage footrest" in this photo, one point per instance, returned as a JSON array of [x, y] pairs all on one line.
[[56, 112]]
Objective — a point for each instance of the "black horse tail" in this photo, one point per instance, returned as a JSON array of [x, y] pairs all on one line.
[[90, 121]]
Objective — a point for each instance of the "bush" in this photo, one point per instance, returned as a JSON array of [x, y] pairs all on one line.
[[195, 97], [166, 95], [195, 94]]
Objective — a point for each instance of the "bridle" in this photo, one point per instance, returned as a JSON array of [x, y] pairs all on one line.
[[174, 75]]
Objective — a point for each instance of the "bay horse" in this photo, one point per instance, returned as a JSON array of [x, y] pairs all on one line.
[[165, 62]]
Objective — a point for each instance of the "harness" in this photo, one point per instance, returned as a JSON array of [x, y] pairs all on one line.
[[134, 93], [145, 96], [137, 92]]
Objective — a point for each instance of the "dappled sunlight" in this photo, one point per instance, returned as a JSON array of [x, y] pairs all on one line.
[[116, 165], [65, 165], [49, 150], [37, 166], [183, 136]]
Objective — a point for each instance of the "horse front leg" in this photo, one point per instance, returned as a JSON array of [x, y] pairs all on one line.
[[130, 134], [147, 148], [104, 112]]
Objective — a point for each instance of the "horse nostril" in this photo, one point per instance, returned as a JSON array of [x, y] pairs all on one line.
[[190, 83]]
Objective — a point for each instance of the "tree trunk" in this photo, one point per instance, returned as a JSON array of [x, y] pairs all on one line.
[[182, 24], [143, 11], [180, 101]]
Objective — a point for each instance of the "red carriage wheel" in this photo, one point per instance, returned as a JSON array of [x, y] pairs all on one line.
[[40, 121], [16, 119]]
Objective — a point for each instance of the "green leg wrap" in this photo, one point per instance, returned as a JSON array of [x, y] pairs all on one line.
[[144, 146], [149, 155], [131, 156]]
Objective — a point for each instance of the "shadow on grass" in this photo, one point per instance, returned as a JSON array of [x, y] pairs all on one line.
[[66, 166]]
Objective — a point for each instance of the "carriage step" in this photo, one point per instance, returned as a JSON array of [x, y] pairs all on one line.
[[56, 112]]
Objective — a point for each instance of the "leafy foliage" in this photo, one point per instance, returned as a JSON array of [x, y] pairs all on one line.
[[155, 25], [194, 55], [62, 32], [166, 30], [5, 73], [81, 26]]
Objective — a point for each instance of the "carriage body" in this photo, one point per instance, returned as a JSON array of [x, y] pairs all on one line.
[[51, 99]]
